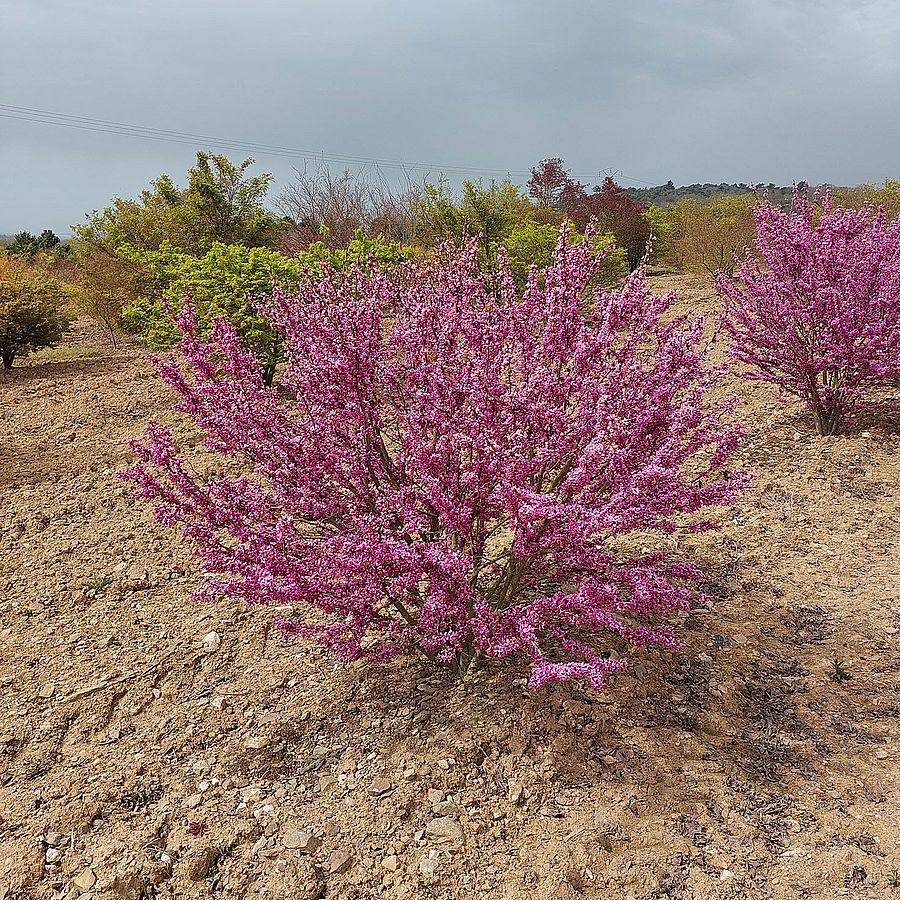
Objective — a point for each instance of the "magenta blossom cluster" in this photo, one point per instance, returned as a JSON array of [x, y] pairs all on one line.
[[816, 309], [451, 467]]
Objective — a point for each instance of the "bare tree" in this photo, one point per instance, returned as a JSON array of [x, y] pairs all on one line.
[[331, 208]]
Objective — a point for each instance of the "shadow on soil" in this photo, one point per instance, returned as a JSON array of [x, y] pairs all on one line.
[[102, 363]]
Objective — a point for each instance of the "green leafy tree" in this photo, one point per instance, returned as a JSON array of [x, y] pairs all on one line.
[[24, 243], [228, 280], [491, 213], [221, 203], [488, 213], [437, 218], [47, 240], [32, 310], [528, 244], [27, 244], [147, 222]]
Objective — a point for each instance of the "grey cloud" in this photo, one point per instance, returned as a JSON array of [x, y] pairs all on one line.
[[693, 90]]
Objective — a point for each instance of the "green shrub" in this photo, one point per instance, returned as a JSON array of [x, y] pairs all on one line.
[[530, 243], [32, 310], [705, 237], [663, 229], [488, 213], [229, 280], [437, 218], [360, 250], [887, 196]]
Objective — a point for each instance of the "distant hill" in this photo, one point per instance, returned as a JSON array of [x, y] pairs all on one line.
[[665, 194], [5, 239]]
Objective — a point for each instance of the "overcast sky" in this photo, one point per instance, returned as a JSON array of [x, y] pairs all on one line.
[[687, 90]]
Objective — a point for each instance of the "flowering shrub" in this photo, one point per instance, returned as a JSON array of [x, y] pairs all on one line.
[[451, 467], [817, 311]]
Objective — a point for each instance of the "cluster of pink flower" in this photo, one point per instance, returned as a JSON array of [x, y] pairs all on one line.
[[816, 310], [447, 465]]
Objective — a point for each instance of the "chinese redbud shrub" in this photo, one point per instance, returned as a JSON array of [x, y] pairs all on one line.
[[450, 467], [816, 310]]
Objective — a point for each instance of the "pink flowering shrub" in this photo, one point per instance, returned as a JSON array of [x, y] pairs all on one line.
[[817, 310], [450, 467]]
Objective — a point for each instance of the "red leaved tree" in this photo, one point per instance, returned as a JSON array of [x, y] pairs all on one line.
[[610, 205], [548, 182]]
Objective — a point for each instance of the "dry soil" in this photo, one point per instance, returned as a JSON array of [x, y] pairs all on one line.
[[155, 748]]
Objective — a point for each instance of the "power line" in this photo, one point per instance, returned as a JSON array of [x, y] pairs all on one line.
[[105, 126]]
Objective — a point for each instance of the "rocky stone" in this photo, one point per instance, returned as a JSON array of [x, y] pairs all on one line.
[[339, 861], [447, 808], [256, 742], [295, 839], [52, 855], [390, 863], [428, 866], [85, 881], [129, 884], [200, 862], [380, 786], [444, 831], [261, 844], [514, 792], [211, 642]]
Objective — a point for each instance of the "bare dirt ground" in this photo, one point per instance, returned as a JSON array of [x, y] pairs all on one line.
[[139, 761]]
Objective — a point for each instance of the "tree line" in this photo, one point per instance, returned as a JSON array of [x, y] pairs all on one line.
[[224, 237]]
